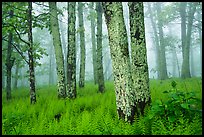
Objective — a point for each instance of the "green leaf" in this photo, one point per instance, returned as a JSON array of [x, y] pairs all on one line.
[[173, 84], [185, 106], [171, 118], [165, 91]]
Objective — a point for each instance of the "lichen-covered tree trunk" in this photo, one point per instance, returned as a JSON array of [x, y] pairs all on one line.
[[140, 76], [120, 59], [58, 50], [162, 58], [82, 45], [30, 56], [101, 85], [156, 39], [71, 52], [93, 38], [9, 63], [62, 36]]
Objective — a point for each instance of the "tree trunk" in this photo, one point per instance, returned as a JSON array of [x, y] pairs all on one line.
[[9, 62], [174, 57], [71, 52], [50, 66], [30, 56], [200, 37], [156, 39], [184, 70], [82, 45], [140, 76], [58, 50], [120, 58], [62, 36], [101, 85], [3, 77], [9, 67], [186, 66], [162, 44], [93, 38], [16, 76], [192, 60]]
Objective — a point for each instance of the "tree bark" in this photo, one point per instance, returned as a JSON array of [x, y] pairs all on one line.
[[162, 44], [120, 58], [101, 85], [50, 66], [58, 50], [192, 70], [30, 56], [82, 45], [71, 52], [93, 38], [62, 36], [185, 72], [16, 76], [200, 37], [140, 76], [9, 62], [156, 39]]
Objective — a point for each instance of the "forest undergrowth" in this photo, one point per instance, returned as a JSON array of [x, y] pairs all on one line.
[[176, 109]]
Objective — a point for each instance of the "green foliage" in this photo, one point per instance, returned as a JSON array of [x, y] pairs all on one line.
[[95, 113]]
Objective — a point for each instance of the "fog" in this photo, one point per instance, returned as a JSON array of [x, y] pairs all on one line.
[[44, 38]]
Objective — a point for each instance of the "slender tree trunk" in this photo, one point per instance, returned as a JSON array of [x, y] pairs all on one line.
[[120, 58], [156, 39], [58, 50], [3, 77], [140, 76], [186, 63], [162, 45], [183, 37], [62, 36], [82, 45], [174, 57], [50, 67], [200, 36], [182, 8], [16, 76], [93, 38], [30, 56], [199, 15], [101, 85], [107, 68], [192, 60], [9, 62], [71, 52]]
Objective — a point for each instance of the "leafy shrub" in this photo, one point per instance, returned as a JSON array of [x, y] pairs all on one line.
[[178, 104]]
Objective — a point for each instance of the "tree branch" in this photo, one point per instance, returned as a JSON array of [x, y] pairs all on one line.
[[20, 36], [21, 54]]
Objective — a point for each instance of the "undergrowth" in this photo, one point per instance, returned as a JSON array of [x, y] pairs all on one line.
[[95, 113]]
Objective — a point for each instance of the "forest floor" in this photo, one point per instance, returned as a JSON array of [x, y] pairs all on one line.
[[95, 113]]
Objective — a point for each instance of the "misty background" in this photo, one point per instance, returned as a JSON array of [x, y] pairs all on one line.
[[173, 28]]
